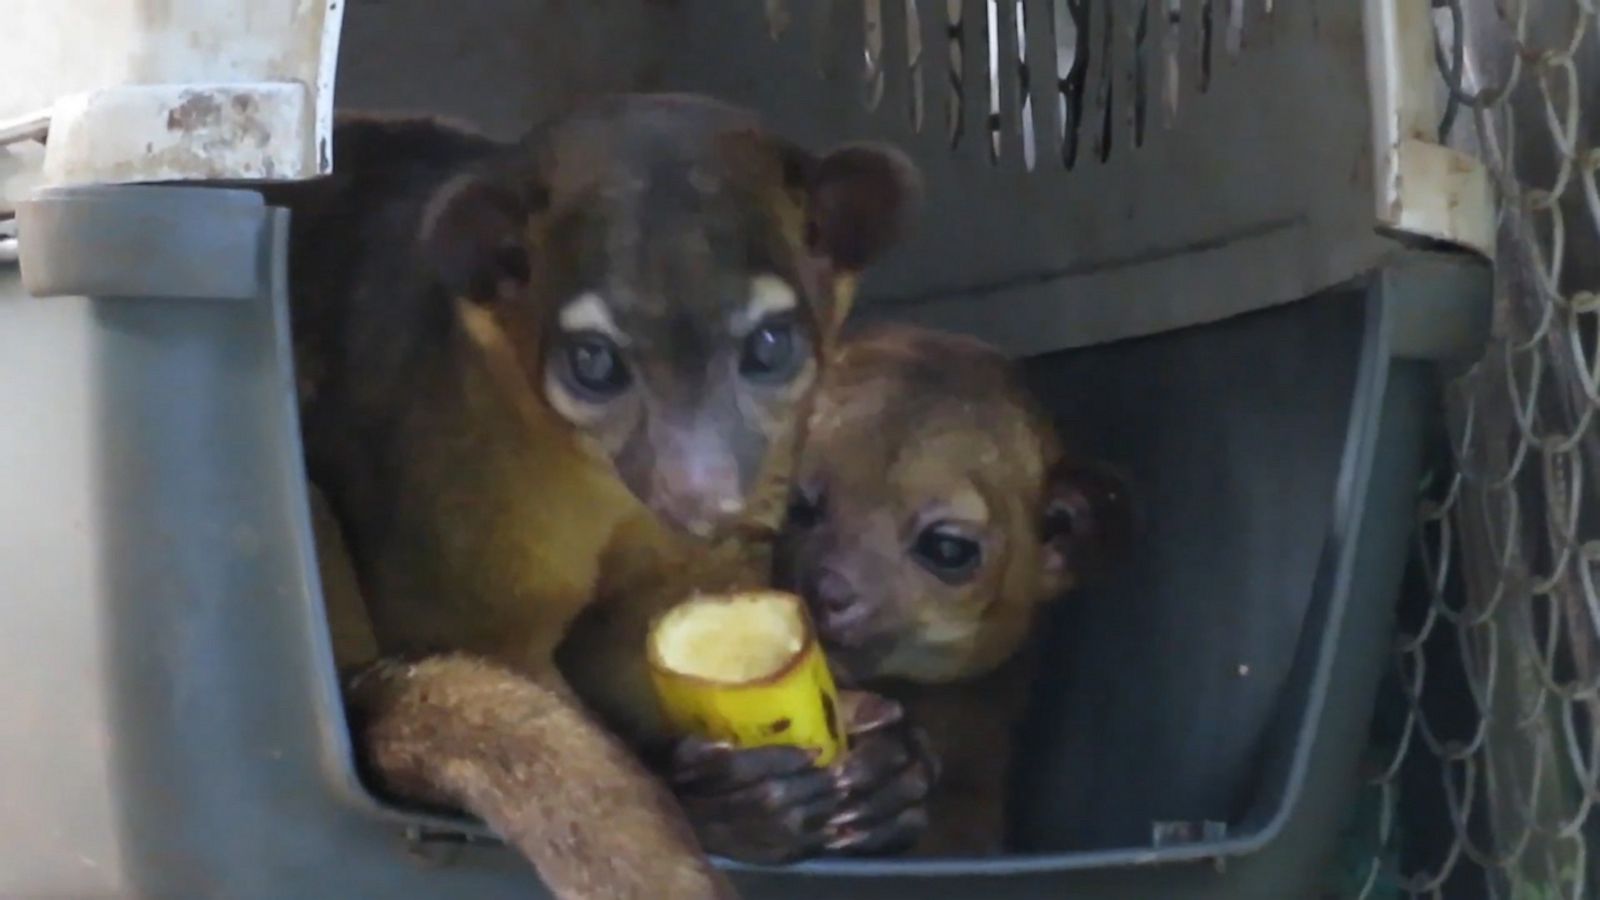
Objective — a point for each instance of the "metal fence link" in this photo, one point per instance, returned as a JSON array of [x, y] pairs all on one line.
[[1488, 766]]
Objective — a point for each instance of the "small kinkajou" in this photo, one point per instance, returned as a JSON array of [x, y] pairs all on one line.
[[935, 514], [543, 378]]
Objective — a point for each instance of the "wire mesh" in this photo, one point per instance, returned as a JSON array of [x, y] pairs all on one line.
[[1486, 756]]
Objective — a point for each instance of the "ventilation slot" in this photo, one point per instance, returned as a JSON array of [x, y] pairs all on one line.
[[778, 18], [1140, 74], [1024, 87], [872, 74], [1171, 62], [1072, 62], [915, 65], [1104, 83], [1117, 68], [955, 100], [992, 123]]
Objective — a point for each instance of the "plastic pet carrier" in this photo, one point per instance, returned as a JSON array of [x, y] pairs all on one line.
[[1230, 239]]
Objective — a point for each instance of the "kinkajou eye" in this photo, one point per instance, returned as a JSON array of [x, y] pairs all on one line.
[[773, 351], [594, 366], [950, 555]]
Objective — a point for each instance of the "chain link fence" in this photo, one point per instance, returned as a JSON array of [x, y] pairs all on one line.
[[1485, 754]]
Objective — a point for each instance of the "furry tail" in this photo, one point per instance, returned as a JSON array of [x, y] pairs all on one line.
[[524, 757]]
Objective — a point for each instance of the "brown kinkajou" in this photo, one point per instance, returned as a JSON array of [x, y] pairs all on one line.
[[544, 376], [935, 514]]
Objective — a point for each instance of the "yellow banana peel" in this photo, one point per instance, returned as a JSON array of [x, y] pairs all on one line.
[[746, 668]]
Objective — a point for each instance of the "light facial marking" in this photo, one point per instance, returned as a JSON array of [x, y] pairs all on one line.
[[948, 631], [941, 649], [589, 313], [583, 415], [769, 295], [586, 313], [968, 505]]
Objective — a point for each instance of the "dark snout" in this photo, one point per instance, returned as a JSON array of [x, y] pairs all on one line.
[[699, 482], [699, 495], [853, 628], [835, 604]]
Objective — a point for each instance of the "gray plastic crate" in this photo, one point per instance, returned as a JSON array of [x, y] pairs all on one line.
[[1249, 342], [1274, 456]]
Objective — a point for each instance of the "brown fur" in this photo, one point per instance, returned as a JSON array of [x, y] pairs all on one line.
[[469, 507], [969, 725], [919, 439], [464, 733]]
